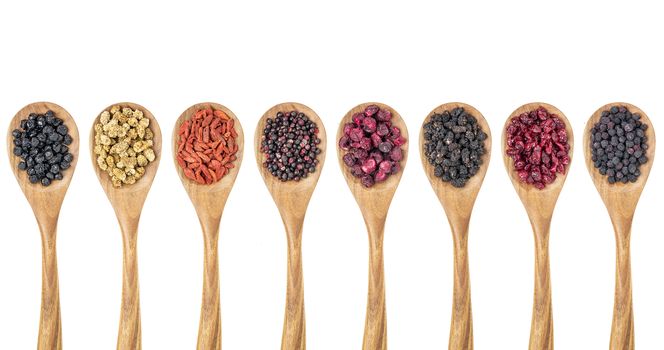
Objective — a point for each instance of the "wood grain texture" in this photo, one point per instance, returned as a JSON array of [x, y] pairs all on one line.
[[292, 199], [127, 202], [209, 202], [46, 203], [621, 201], [374, 204], [539, 205], [458, 205]]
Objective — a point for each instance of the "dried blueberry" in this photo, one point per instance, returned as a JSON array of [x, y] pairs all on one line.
[[37, 144], [617, 144]]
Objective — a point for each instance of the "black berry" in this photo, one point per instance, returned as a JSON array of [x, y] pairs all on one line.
[[290, 146], [454, 146], [38, 142]]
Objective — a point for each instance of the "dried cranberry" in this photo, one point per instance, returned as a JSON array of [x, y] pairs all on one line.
[[371, 110], [369, 124], [356, 134], [375, 140], [356, 170], [344, 143], [537, 141], [357, 118], [380, 176], [384, 115], [359, 153], [385, 166], [396, 154], [399, 141], [369, 166], [385, 147], [349, 160], [377, 156], [365, 143], [367, 180], [348, 127], [382, 130]]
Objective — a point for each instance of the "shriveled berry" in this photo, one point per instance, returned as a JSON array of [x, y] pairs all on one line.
[[371, 110], [384, 115], [367, 180], [385, 147], [380, 176], [369, 166]]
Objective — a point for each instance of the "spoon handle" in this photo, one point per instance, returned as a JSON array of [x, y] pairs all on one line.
[[50, 329], [375, 326], [541, 330], [209, 330], [622, 328], [294, 335], [461, 332], [129, 335]]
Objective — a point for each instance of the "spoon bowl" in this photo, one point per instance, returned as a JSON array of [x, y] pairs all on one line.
[[377, 198], [458, 205], [209, 201], [127, 202], [621, 201], [292, 199], [46, 203], [374, 203], [539, 205]]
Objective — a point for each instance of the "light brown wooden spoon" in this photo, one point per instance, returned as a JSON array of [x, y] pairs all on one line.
[[209, 202], [540, 205], [374, 203], [127, 201], [292, 199], [621, 201], [458, 205], [46, 203]]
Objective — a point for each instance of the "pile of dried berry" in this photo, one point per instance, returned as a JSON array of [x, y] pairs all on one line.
[[619, 143], [206, 147], [123, 144], [454, 145], [42, 144], [372, 145], [537, 142], [290, 146]]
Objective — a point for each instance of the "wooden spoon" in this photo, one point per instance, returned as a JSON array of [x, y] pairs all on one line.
[[46, 203], [209, 202], [458, 205], [621, 200], [540, 205], [374, 204], [292, 199], [127, 201]]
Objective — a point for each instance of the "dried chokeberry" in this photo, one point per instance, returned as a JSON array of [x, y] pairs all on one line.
[[618, 144], [373, 145], [454, 145], [537, 142], [38, 142], [290, 146]]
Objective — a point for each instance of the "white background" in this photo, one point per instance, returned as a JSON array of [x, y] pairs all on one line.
[[331, 56]]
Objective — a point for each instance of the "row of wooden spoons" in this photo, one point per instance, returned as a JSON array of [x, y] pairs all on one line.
[[292, 199]]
